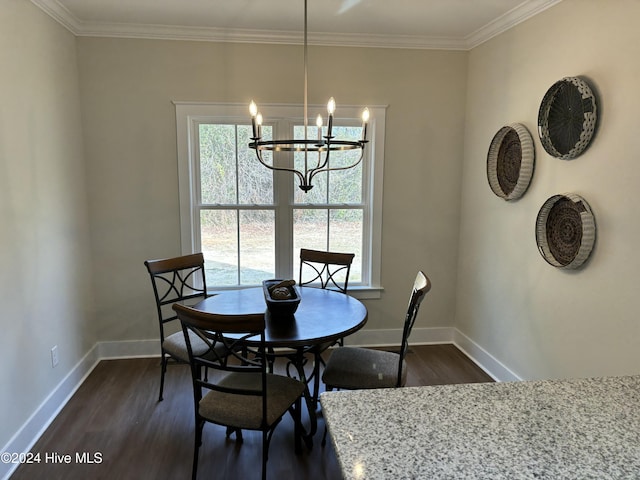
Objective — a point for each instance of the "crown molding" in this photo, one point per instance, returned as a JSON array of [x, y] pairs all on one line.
[[60, 14], [507, 21], [162, 32], [167, 32]]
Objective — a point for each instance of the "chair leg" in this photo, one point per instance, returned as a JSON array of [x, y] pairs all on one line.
[[265, 454], [163, 370], [271, 358], [316, 379], [238, 433], [297, 430], [196, 447]]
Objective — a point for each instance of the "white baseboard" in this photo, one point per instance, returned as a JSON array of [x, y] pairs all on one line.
[[40, 420], [35, 426], [425, 336], [496, 369], [128, 349]]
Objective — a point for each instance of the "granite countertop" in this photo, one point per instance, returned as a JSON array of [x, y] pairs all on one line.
[[557, 429]]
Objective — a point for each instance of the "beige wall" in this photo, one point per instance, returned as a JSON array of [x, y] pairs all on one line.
[[45, 279], [537, 320], [127, 89]]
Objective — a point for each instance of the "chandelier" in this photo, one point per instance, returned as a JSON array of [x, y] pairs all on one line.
[[321, 145]]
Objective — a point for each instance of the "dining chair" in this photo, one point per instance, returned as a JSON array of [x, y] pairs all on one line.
[[239, 393], [329, 270], [178, 279], [354, 368]]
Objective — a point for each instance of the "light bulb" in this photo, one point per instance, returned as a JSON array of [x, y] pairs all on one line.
[[331, 106], [365, 115], [365, 122]]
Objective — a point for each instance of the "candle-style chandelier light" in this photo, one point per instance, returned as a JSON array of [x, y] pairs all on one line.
[[322, 145]]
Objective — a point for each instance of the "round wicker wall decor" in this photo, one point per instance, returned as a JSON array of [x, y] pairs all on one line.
[[565, 231], [567, 118], [510, 161]]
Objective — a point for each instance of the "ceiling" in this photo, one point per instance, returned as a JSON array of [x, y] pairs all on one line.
[[442, 24]]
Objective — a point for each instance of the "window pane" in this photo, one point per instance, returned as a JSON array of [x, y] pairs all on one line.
[[341, 186], [310, 230], [257, 246], [217, 163], [338, 230], [345, 235], [219, 243], [255, 181], [345, 186]]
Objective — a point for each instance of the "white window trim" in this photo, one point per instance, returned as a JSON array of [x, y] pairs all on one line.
[[188, 114]]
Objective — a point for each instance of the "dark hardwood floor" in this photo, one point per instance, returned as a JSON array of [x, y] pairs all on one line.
[[115, 420]]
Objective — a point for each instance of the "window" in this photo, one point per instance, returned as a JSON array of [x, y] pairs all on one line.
[[250, 222]]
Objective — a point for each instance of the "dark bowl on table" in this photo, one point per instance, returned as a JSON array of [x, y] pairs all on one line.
[[281, 306]]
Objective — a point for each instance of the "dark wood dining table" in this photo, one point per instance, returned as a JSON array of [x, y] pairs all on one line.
[[322, 316]]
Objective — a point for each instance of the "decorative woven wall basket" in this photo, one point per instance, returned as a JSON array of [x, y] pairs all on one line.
[[565, 231], [567, 118], [510, 161]]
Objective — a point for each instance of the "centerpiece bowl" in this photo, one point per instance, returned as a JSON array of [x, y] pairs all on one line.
[[282, 296]]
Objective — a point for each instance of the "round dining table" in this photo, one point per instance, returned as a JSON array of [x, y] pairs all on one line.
[[323, 316]]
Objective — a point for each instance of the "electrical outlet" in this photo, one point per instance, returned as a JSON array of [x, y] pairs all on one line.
[[54, 356]]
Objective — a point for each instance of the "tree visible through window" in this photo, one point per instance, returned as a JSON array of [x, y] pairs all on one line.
[[237, 216]]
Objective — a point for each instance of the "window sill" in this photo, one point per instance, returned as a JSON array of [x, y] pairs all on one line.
[[365, 293]]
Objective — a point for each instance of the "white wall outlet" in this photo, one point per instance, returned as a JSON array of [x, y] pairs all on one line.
[[54, 356]]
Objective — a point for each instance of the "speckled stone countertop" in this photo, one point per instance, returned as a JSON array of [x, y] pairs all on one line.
[[573, 429]]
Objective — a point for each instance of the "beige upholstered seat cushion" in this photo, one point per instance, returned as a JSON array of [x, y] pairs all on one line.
[[245, 411], [355, 368], [177, 347]]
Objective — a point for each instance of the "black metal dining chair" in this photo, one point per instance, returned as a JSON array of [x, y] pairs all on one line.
[[328, 270], [354, 368], [239, 393], [178, 279]]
